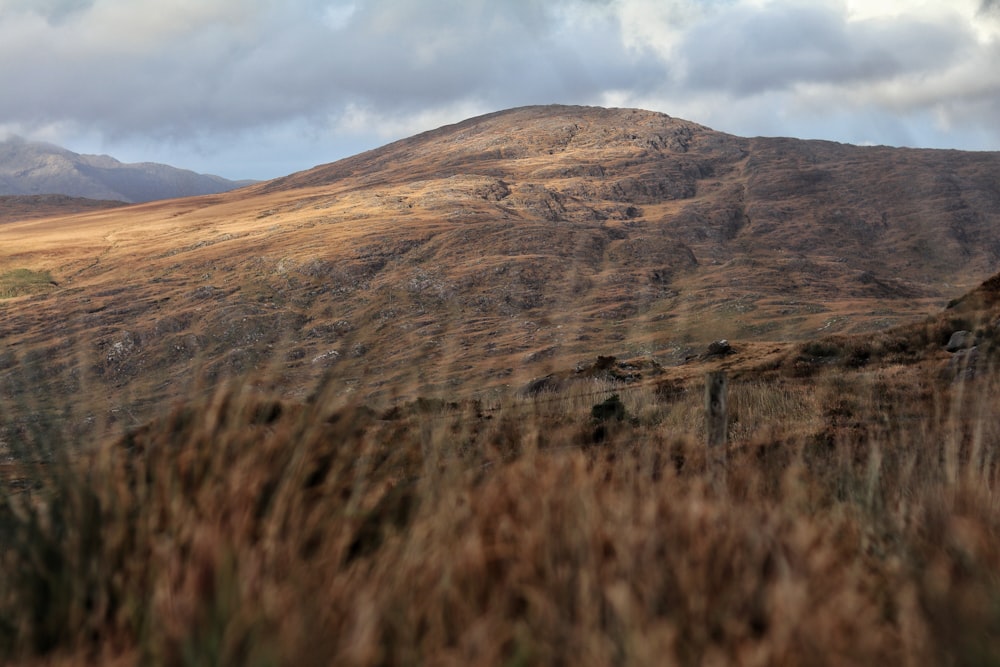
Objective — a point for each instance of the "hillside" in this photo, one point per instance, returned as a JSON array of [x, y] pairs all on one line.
[[470, 259], [36, 168], [31, 207], [467, 422]]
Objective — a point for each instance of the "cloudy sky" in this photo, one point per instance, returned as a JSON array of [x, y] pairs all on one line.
[[262, 88]]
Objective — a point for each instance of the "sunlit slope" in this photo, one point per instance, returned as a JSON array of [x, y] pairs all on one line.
[[483, 254]]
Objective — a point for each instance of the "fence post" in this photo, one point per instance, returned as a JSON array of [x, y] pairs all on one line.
[[716, 426]]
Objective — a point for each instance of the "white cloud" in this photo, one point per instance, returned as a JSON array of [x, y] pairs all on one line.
[[658, 25], [359, 120], [338, 15]]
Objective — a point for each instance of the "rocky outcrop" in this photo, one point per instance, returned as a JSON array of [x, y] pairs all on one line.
[[960, 340], [719, 348], [964, 364]]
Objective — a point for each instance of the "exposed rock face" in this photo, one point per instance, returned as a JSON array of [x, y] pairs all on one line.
[[964, 364], [960, 340], [33, 168], [719, 348]]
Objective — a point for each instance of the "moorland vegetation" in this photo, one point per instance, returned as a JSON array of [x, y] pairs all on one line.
[[442, 403], [856, 524]]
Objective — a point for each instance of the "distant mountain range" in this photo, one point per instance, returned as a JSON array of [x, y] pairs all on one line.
[[36, 168]]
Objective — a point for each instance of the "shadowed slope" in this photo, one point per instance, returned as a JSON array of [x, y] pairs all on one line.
[[14, 208]]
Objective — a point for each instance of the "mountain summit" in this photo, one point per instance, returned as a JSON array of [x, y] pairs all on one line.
[[36, 168], [643, 205]]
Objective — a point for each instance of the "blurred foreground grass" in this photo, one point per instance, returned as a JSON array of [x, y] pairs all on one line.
[[246, 531]]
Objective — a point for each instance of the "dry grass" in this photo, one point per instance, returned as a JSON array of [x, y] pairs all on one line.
[[14, 208], [387, 518], [20, 282], [240, 530]]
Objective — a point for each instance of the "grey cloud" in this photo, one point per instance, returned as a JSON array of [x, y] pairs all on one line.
[[283, 60], [751, 51], [55, 12], [408, 54]]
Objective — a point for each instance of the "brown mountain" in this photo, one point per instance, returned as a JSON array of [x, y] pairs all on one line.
[[38, 168], [474, 257], [661, 204]]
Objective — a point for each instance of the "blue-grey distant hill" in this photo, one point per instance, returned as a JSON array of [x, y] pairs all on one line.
[[35, 168]]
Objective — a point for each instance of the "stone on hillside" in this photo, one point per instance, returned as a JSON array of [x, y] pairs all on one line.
[[612, 408], [604, 363], [960, 340], [719, 348], [964, 364], [546, 384]]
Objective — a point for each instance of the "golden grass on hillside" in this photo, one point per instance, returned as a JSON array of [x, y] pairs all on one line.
[[246, 531], [21, 282], [489, 249]]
